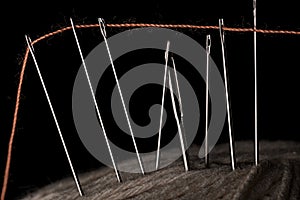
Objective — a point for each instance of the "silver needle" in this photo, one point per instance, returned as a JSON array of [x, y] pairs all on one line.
[[181, 108], [232, 149], [255, 85], [178, 125], [208, 44], [103, 32], [95, 102], [177, 85], [28, 40], [162, 105]]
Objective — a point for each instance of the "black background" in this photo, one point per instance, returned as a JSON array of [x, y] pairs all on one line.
[[38, 158]]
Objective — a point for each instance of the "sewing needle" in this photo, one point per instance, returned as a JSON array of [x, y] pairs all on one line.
[[95, 103], [178, 125], [181, 110], [232, 149], [162, 106], [28, 40], [255, 85], [103, 32], [208, 44]]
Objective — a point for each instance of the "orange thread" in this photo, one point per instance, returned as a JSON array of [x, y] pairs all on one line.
[[6, 173], [126, 25]]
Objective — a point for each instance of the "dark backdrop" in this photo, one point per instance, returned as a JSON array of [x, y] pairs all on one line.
[[38, 158]]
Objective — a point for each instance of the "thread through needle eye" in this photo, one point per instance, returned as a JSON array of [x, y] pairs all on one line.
[[95, 103], [178, 124], [162, 106], [181, 111], [28, 40], [231, 139], [103, 32], [221, 29], [208, 44], [102, 26]]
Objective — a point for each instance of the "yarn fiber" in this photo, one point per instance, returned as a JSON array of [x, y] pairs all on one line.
[[276, 177]]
